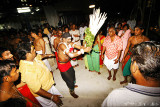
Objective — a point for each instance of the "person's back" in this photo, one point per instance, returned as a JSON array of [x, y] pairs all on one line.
[[133, 95], [37, 44], [145, 65]]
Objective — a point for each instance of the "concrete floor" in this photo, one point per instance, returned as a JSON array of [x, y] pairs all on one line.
[[92, 88]]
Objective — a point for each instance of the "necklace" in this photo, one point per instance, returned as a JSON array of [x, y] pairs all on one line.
[[19, 96], [139, 39], [13, 94]]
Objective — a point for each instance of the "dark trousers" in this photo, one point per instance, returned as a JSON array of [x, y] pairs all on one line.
[[69, 78]]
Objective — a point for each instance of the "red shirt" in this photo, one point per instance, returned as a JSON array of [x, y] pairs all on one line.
[[113, 47]]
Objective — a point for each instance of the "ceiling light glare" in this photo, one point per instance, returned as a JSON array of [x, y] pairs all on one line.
[[92, 6], [37, 9], [23, 10]]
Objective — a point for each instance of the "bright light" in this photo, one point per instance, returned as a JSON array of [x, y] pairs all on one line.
[[92, 6], [30, 5], [118, 13], [23, 10], [32, 12], [37, 9]]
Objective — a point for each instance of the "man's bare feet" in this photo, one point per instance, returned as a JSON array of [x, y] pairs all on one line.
[[74, 95], [75, 86], [99, 73], [114, 78], [91, 71], [77, 65], [122, 82], [109, 77], [85, 67]]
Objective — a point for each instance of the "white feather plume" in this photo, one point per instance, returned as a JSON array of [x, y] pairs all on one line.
[[97, 19]]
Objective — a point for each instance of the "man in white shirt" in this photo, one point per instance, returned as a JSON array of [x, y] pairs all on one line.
[[145, 65], [75, 38], [81, 31]]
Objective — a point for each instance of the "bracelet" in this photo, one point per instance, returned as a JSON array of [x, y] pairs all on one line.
[[82, 51], [79, 52], [52, 97]]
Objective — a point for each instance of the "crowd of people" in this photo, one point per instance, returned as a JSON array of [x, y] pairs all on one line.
[[28, 57]]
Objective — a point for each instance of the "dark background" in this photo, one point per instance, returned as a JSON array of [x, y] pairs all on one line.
[[146, 12]]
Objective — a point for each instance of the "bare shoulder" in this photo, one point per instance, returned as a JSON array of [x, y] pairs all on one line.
[[62, 46], [55, 40], [71, 43], [131, 38], [40, 40]]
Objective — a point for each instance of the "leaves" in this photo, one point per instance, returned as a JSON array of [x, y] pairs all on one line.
[[89, 38]]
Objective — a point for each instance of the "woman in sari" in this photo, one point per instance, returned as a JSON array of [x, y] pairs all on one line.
[[93, 57], [102, 37]]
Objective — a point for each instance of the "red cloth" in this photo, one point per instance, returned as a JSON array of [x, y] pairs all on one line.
[[24, 90], [56, 57], [126, 59], [64, 67], [100, 56]]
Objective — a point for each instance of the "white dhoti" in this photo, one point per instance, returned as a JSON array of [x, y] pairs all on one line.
[[47, 102], [45, 61], [110, 63], [74, 62]]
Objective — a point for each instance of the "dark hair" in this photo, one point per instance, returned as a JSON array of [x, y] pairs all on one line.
[[5, 68], [66, 27], [34, 31], [23, 49], [66, 35], [119, 24], [147, 57], [126, 25], [139, 26], [113, 28], [3, 49]]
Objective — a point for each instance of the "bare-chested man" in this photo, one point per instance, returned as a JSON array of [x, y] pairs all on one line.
[[39, 45], [132, 41], [65, 53], [57, 40]]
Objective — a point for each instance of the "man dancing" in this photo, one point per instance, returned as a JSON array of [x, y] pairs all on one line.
[[65, 53]]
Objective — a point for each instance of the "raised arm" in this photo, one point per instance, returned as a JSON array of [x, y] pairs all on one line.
[[74, 45], [55, 44], [74, 54]]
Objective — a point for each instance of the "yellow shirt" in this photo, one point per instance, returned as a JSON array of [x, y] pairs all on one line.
[[36, 75]]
